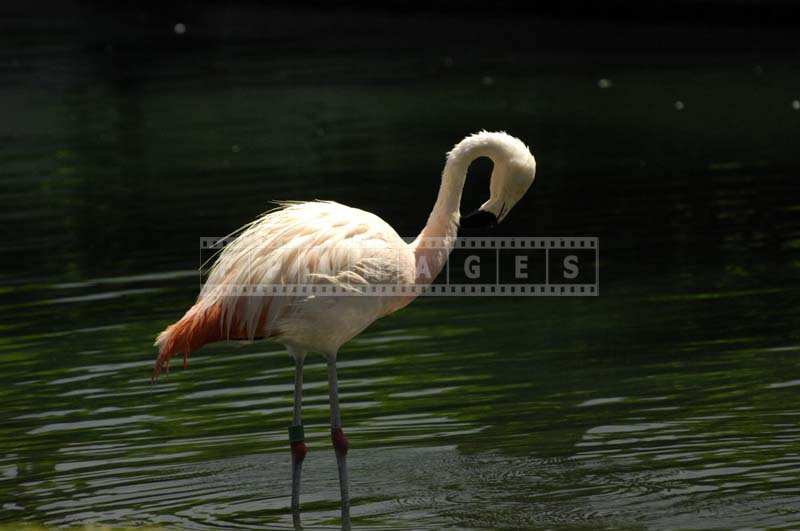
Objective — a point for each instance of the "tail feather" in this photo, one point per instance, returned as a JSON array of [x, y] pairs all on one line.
[[204, 324], [200, 325]]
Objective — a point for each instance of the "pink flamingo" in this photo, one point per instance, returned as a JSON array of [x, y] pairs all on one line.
[[329, 244]]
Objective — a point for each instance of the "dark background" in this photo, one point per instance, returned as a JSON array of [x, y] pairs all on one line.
[[106, 71]]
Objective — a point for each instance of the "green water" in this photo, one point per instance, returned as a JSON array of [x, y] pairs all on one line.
[[668, 401]]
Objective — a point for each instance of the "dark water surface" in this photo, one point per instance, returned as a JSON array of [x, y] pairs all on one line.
[[671, 400]]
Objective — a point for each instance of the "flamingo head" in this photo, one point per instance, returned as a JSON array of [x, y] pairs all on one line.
[[511, 178]]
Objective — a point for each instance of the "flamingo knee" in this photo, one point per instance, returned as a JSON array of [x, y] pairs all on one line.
[[340, 443], [299, 451]]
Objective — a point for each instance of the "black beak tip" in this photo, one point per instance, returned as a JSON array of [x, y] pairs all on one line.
[[479, 219]]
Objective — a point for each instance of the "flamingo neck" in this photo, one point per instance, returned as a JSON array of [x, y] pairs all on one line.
[[442, 225]]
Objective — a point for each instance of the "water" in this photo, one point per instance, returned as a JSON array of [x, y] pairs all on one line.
[[668, 401]]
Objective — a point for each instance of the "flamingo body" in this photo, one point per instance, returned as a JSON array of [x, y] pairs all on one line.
[[318, 243]]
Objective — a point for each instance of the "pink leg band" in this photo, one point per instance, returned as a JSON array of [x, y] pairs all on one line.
[[299, 451], [339, 441]]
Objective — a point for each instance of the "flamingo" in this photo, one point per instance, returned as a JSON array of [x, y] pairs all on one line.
[[323, 243]]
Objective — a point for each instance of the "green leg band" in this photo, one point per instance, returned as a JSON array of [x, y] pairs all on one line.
[[296, 434]]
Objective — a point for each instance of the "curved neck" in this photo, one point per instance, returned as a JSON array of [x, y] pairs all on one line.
[[444, 219], [445, 216]]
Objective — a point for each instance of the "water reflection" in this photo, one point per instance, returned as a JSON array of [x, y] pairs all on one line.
[[449, 421]]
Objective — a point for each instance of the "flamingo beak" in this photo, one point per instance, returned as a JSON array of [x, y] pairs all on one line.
[[479, 219]]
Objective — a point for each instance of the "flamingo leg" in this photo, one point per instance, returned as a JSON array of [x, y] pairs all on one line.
[[340, 443], [296, 434]]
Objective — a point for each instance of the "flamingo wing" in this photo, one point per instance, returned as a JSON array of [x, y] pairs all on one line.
[[248, 293]]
